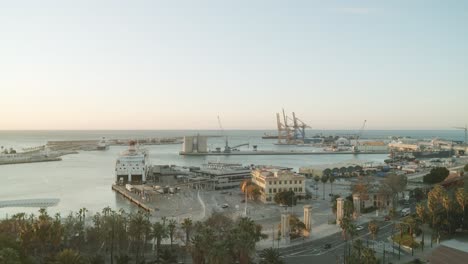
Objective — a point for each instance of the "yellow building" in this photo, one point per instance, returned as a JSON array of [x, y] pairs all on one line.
[[273, 180]]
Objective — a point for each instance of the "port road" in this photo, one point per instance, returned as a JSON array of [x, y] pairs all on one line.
[[315, 251]]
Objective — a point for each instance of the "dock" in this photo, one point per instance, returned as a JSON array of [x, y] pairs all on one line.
[[128, 195], [40, 203], [246, 153]]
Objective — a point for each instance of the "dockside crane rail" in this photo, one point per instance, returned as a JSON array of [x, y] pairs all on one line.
[[466, 131]]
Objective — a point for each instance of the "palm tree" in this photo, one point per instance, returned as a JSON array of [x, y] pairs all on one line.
[[421, 212], [373, 228], [158, 232], [327, 172], [171, 228], [331, 179], [187, 227], [462, 201], [68, 256], [245, 235], [270, 256], [446, 204], [335, 171], [138, 228], [324, 180], [316, 179], [343, 171]]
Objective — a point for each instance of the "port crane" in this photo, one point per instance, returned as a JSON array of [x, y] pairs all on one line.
[[227, 148], [359, 135], [466, 131]]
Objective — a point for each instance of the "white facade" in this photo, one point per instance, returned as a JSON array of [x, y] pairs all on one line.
[[131, 166], [272, 181], [194, 144]]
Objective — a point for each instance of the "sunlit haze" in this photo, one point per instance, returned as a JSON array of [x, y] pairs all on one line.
[[180, 64]]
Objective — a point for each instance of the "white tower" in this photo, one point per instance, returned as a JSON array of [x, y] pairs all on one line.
[[339, 210], [308, 217]]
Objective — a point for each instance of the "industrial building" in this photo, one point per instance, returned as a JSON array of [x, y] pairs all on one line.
[[195, 144], [273, 180]]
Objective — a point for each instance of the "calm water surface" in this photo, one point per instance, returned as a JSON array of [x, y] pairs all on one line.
[[84, 179]]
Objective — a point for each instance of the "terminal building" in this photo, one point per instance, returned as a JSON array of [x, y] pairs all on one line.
[[273, 180], [195, 144], [223, 175]]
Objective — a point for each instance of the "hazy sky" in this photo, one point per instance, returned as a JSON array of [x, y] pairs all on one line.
[[179, 64]]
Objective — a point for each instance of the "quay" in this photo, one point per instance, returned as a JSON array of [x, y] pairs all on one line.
[[121, 190], [240, 153], [41, 203], [28, 160]]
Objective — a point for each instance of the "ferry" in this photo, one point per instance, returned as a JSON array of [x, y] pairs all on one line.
[[132, 165]]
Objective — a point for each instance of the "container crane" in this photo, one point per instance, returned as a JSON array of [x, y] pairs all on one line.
[[464, 128]]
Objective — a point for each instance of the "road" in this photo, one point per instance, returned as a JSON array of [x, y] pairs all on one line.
[[314, 251]]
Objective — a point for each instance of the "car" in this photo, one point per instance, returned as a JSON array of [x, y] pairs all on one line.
[[387, 218], [359, 228], [243, 201], [327, 246], [225, 206]]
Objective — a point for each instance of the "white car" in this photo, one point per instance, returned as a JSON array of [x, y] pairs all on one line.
[[359, 228]]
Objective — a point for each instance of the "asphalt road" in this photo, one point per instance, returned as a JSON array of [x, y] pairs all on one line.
[[315, 252]]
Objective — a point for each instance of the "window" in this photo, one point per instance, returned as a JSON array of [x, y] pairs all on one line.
[[274, 190], [300, 189], [279, 182], [295, 189], [295, 182], [269, 190], [290, 182], [275, 182], [300, 182]]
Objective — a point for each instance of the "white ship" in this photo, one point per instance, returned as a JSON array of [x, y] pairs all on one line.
[[102, 145], [132, 165]]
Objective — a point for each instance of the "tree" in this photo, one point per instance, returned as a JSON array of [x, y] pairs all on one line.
[[270, 256], [373, 228], [139, 228], [462, 201], [446, 204], [396, 184], [324, 180], [158, 232], [465, 168], [244, 236], [187, 225], [9, 256], [68, 256], [316, 179], [171, 228], [436, 175], [285, 198], [327, 172], [421, 212], [331, 179], [418, 194], [343, 171]]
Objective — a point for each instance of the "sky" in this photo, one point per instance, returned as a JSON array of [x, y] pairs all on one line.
[[181, 64]]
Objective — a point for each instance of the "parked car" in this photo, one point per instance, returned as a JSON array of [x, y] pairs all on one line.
[[359, 228], [225, 206], [387, 218], [327, 246]]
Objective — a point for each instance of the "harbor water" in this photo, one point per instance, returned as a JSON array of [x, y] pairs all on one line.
[[85, 179]]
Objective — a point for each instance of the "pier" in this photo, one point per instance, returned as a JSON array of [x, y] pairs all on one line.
[[239, 153], [41, 203], [128, 195]]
